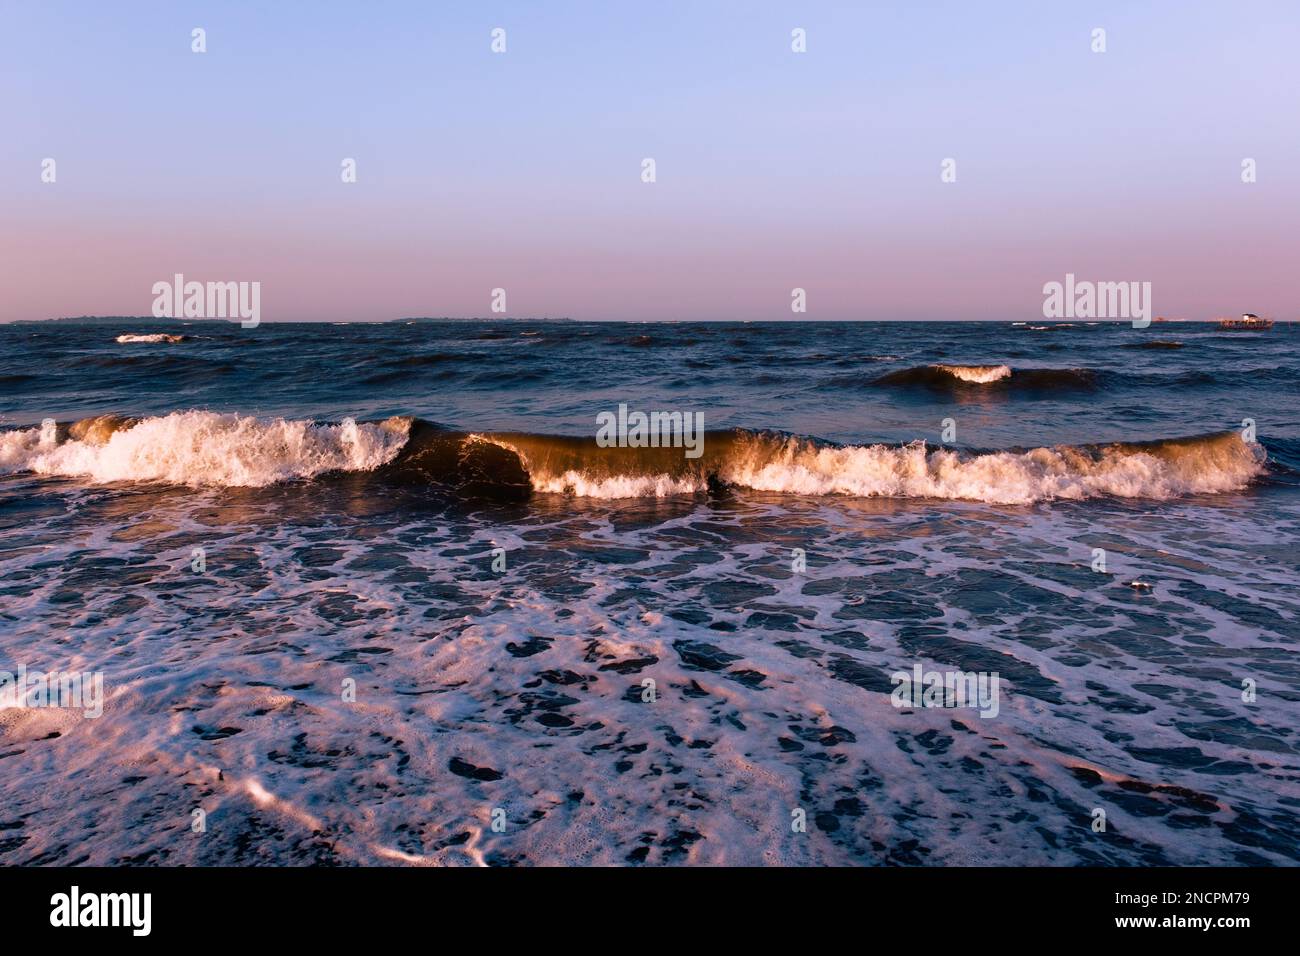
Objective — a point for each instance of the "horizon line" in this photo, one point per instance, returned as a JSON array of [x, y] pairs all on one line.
[[1161, 320]]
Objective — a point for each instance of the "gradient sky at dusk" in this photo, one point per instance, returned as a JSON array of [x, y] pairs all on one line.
[[775, 169]]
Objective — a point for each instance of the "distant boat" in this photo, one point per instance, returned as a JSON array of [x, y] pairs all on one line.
[[1249, 322]]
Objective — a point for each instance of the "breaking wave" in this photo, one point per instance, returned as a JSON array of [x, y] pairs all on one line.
[[980, 374], [156, 337], [776, 463], [960, 376], [199, 449]]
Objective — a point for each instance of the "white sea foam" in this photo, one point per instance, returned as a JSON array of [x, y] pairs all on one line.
[[915, 471], [205, 448], [619, 486], [17, 448]]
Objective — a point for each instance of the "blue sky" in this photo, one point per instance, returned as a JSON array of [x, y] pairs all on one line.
[[775, 169]]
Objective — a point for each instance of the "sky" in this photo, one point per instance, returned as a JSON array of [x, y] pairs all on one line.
[[774, 170]]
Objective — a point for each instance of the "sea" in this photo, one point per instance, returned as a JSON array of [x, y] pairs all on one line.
[[374, 593]]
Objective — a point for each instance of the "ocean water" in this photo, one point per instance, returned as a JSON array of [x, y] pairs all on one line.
[[236, 527]]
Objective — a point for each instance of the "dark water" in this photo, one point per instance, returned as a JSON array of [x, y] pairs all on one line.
[[769, 589]]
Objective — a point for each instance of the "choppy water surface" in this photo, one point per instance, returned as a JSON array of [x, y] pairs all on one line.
[[349, 487]]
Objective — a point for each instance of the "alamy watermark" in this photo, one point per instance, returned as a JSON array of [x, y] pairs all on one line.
[[179, 299], [75, 690], [651, 430], [1083, 299], [75, 908], [977, 690]]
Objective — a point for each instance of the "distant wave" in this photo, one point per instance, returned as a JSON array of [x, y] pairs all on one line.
[[1155, 344], [1002, 376], [200, 448], [154, 337]]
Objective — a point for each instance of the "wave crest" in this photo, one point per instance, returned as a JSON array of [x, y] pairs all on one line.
[[153, 337], [979, 374], [1003, 376], [199, 448], [792, 465]]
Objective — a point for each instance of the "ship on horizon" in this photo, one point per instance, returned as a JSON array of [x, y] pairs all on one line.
[[1249, 322]]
